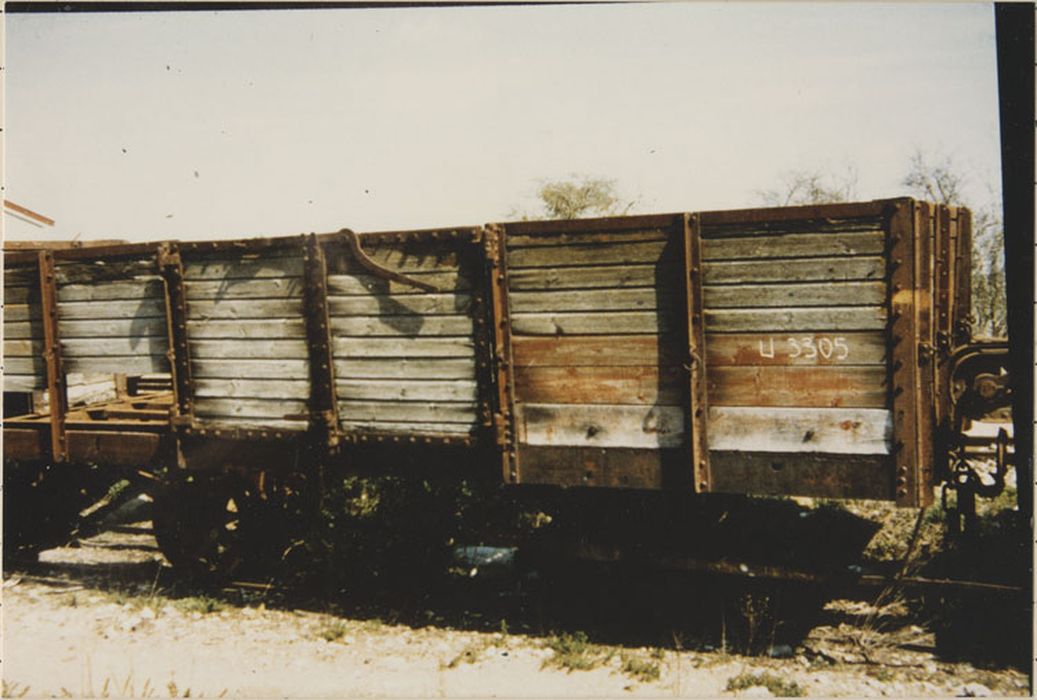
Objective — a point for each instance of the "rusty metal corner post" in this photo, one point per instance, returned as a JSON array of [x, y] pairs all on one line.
[[52, 357], [903, 344], [495, 251], [477, 263], [323, 402], [698, 408], [171, 268]]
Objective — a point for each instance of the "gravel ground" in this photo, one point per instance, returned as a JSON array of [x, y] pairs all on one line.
[[99, 621]]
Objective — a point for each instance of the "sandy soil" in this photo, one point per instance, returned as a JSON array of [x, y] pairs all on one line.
[[95, 621]]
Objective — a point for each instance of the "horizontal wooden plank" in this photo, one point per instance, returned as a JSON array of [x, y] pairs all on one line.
[[250, 369], [405, 368], [586, 237], [407, 390], [409, 429], [766, 228], [242, 268], [249, 349], [601, 385], [281, 409], [589, 323], [361, 284], [247, 328], [126, 448], [803, 474], [266, 388], [25, 365], [815, 294], [21, 312], [243, 288], [118, 328], [398, 257], [345, 348], [600, 425], [114, 364], [247, 423], [102, 347], [21, 295], [406, 411], [843, 318], [95, 310], [596, 350], [831, 430], [813, 349], [412, 326], [23, 348], [614, 467], [832, 387], [245, 308], [100, 271], [637, 299], [794, 245], [599, 254], [613, 276], [120, 290], [21, 276], [23, 330], [22, 382], [394, 305], [802, 270], [27, 445]]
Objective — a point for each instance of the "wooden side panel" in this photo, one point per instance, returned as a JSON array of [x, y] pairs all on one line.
[[404, 357], [112, 316], [248, 349], [24, 368]]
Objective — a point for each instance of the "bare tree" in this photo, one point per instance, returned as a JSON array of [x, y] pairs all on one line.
[[940, 180], [577, 196], [812, 187]]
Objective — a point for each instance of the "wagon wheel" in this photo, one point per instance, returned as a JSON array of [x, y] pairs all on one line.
[[204, 525]]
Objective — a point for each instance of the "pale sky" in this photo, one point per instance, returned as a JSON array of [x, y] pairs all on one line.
[[212, 125]]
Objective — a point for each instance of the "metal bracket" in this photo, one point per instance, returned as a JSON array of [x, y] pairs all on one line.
[[171, 268], [353, 241], [323, 403], [698, 408], [52, 357]]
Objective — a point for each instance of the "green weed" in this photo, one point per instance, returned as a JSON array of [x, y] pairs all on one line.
[[778, 686], [574, 652]]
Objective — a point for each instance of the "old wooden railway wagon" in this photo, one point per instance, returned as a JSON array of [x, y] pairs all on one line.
[[783, 351]]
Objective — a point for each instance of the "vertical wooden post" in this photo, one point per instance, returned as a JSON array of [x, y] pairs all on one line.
[[698, 408], [52, 356], [323, 396], [171, 268], [504, 417]]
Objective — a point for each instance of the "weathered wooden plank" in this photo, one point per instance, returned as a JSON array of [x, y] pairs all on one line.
[[638, 299], [345, 348], [393, 305], [803, 474], [21, 295], [95, 310], [816, 294], [122, 290], [813, 349], [599, 254], [583, 323], [23, 382], [409, 428], [281, 409], [28, 445], [843, 318], [21, 276], [412, 326], [586, 237], [766, 228], [25, 365], [250, 369], [243, 268], [407, 390], [125, 448], [405, 412], [399, 257], [362, 284], [247, 328], [611, 276], [23, 348], [794, 245], [600, 425], [600, 385], [127, 346], [614, 467], [831, 430], [244, 349], [831, 387], [21, 312], [803, 270], [266, 388], [118, 328], [595, 350], [243, 288], [245, 308], [100, 271], [406, 368], [23, 330], [114, 364], [251, 423]]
